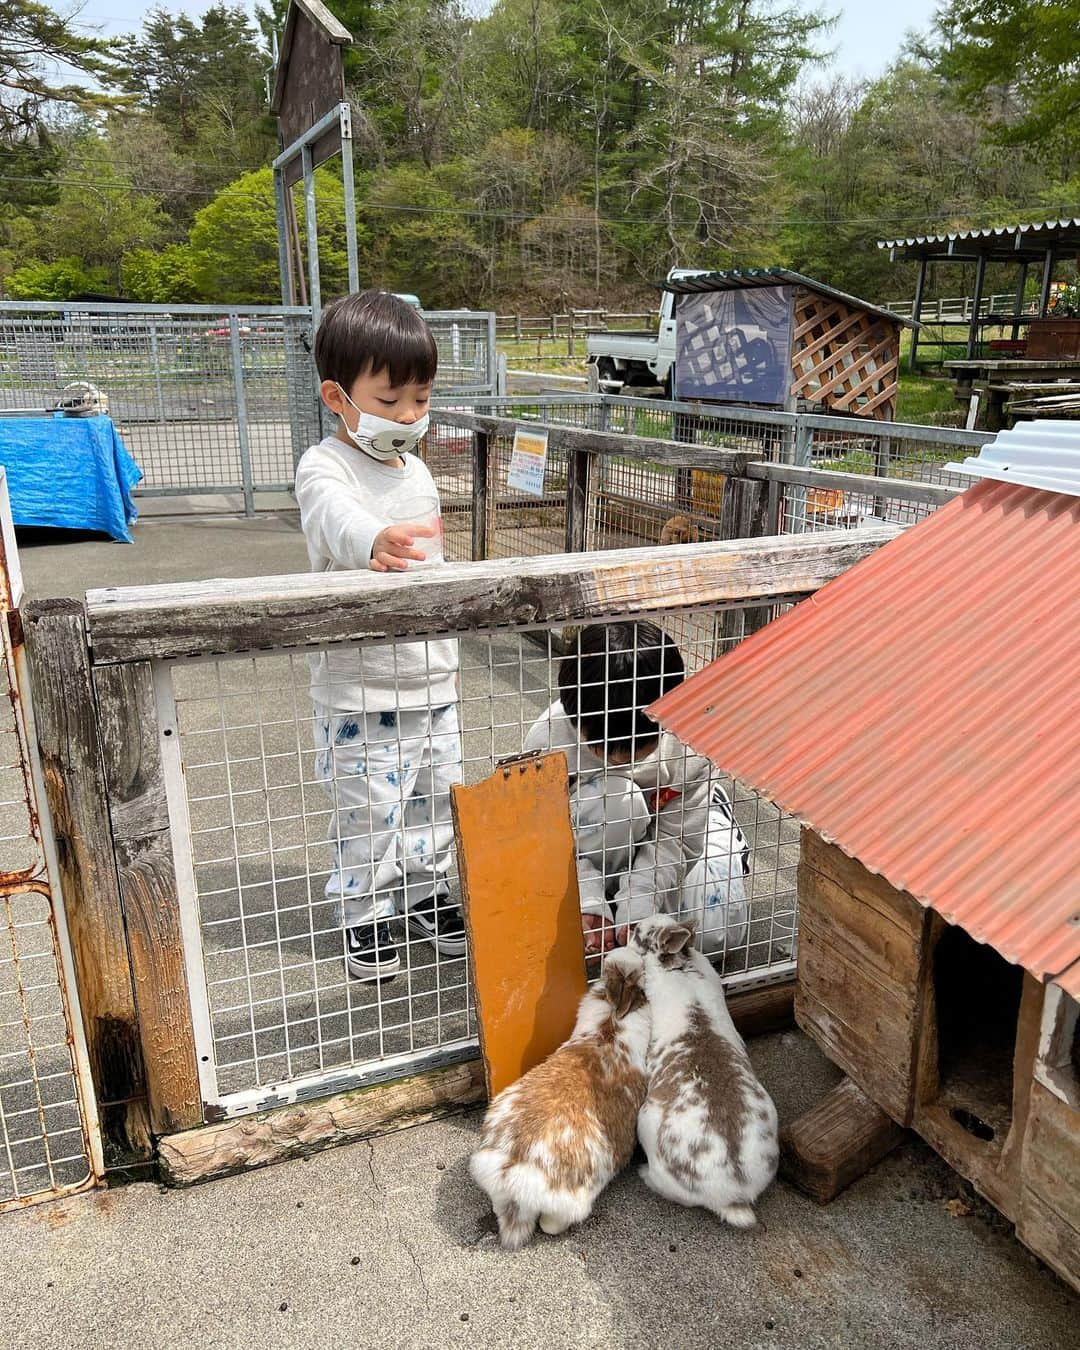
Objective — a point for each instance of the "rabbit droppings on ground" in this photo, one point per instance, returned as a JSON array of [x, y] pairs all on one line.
[[554, 1139], [708, 1127]]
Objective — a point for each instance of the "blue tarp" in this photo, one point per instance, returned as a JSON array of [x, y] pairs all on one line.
[[73, 473]]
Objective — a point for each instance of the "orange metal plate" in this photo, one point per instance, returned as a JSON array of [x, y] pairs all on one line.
[[520, 898]]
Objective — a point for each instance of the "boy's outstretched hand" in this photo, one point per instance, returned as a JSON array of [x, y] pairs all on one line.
[[599, 936], [393, 547]]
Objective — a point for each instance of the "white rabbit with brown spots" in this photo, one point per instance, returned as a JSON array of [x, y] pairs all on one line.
[[554, 1139], [707, 1126]]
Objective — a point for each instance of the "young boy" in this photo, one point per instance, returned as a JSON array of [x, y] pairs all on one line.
[[653, 831], [386, 726]]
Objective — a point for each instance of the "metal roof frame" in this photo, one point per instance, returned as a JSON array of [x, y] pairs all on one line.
[[749, 278], [996, 243]]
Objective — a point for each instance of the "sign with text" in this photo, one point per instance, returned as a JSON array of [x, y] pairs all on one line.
[[528, 462]]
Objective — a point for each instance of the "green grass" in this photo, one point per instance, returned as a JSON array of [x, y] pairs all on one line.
[[919, 397], [545, 354]]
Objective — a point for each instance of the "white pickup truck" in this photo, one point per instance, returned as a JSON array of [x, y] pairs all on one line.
[[625, 360]]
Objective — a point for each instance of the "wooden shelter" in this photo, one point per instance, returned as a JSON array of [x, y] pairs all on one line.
[[918, 716], [1037, 244], [774, 338]]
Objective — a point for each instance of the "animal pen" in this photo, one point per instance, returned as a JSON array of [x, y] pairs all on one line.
[[190, 802], [216, 404]]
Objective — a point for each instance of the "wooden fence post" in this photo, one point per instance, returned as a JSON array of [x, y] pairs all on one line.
[[579, 469], [744, 514], [65, 724], [481, 504], [134, 778]]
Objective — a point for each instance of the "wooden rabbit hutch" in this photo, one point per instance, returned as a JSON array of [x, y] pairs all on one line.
[[918, 715]]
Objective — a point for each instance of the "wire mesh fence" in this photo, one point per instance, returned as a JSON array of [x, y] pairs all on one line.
[[636, 500], [326, 946], [208, 402], [44, 1145]]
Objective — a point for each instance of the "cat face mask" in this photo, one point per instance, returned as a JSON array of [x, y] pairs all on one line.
[[380, 437]]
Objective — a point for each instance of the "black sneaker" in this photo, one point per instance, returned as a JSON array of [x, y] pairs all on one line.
[[443, 927], [370, 952]]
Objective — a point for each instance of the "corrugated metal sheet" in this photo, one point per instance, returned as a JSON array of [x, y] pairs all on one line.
[[921, 711], [750, 278], [1062, 230], [1041, 454]]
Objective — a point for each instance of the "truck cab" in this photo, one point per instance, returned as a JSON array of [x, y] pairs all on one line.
[[633, 360]]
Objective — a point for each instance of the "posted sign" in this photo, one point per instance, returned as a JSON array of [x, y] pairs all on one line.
[[528, 462]]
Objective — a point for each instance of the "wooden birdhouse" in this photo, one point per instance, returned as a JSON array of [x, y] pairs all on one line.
[[919, 717]]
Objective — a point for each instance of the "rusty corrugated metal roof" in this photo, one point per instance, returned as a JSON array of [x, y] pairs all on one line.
[[921, 711]]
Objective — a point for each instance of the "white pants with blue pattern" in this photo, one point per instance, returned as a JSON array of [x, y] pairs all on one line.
[[389, 776]]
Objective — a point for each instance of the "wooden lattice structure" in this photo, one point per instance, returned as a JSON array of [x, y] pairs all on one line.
[[844, 357], [770, 337]]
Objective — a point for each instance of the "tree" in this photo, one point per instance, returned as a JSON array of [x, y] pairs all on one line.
[[164, 278], [1017, 64], [422, 238], [203, 82], [412, 53], [233, 241], [58, 280], [98, 213], [895, 157], [715, 78], [35, 44]]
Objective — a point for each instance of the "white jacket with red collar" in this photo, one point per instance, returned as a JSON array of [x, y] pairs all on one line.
[[686, 811]]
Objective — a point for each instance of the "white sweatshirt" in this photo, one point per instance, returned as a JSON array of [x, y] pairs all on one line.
[[676, 784], [345, 499]]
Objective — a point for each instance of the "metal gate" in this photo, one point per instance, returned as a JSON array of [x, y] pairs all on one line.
[[48, 1135]]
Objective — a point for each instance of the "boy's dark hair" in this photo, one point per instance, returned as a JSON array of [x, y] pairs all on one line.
[[613, 674], [373, 331]]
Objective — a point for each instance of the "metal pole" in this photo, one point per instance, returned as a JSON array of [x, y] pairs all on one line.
[[284, 270], [1018, 307], [350, 197], [495, 374], [241, 414], [801, 453], [916, 311], [155, 357], [976, 302], [1048, 276], [314, 288]]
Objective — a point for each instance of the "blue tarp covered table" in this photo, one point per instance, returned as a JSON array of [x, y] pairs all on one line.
[[73, 473]]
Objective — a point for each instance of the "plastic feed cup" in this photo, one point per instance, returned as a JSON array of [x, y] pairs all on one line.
[[423, 510]]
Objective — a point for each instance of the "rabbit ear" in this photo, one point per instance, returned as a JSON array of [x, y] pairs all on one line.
[[623, 988], [677, 937]]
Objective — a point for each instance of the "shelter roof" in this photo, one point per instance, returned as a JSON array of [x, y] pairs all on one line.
[[1000, 243], [920, 712], [746, 278]]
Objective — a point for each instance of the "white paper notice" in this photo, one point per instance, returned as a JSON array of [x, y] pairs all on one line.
[[528, 462]]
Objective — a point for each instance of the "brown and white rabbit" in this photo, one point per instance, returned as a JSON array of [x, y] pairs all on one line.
[[554, 1139], [708, 1127]]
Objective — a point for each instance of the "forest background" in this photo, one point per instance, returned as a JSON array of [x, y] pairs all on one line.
[[543, 155]]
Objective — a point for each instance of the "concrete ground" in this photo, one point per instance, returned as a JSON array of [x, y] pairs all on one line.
[[387, 1243], [168, 547]]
